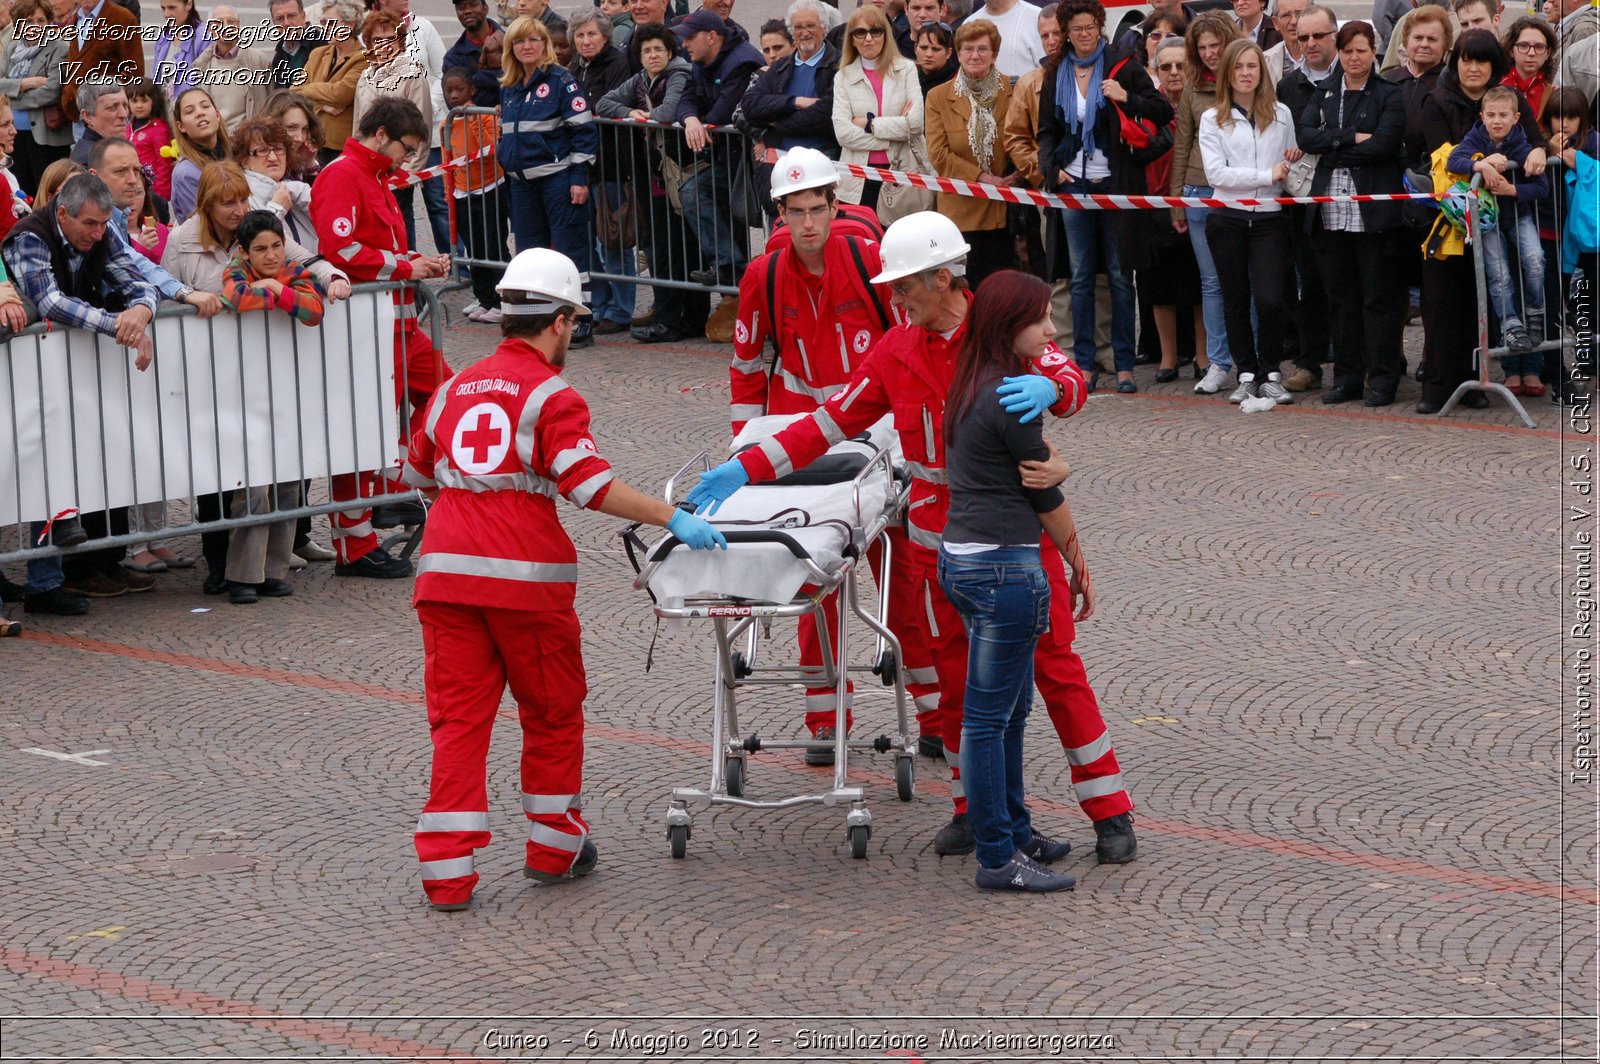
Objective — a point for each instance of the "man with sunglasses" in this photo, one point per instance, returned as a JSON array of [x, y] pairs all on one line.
[[360, 231]]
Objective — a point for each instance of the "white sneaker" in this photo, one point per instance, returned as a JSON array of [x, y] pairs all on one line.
[[1273, 389], [1246, 389], [491, 316], [1213, 382], [297, 562], [471, 308], [312, 551]]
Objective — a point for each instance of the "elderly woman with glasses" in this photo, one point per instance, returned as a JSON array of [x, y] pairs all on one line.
[[1087, 93], [877, 105], [261, 148]]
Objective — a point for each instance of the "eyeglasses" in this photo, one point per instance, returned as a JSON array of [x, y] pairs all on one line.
[[263, 153], [1170, 68], [1157, 35], [411, 148], [814, 214], [862, 32], [1093, 27], [935, 25], [902, 288], [1285, 16], [1531, 47], [1305, 38]]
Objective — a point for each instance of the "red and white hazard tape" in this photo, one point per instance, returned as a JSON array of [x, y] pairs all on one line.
[[405, 178], [1080, 202]]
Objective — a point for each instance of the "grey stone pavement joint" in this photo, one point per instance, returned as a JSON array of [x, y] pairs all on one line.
[[1328, 649]]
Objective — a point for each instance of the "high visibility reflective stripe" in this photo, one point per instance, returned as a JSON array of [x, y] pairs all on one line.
[[932, 476], [351, 531], [927, 433], [498, 568], [927, 609], [436, 407], [416, 477], [454, 868], [1090, 752], [549, 804], [781, 464], [579, 119], [545, 835], [540, 125], [452, 822], [581, 157], [844, 404], [830, 428], [450, 477], [529, 418], [386, 271], [800, 387], [349, 251], [923, 538], [827, 700], [956, 789], [565, 460], [748, 365], [1099, 788], [584, 493], [926, 703], [404, 311], [746, 411], [927, 674], [546, 169]]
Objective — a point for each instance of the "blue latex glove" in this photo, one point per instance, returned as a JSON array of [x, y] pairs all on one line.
[[716, 485], [1029, 395], [698, 534]]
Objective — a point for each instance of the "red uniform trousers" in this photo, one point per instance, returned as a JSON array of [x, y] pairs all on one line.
[[1059, 675], [472, 653], [419, 369]]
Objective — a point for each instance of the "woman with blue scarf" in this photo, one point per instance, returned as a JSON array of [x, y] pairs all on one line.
[[1086, 93]]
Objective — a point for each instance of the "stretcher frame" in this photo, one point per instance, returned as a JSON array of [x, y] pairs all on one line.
[[735, 620]]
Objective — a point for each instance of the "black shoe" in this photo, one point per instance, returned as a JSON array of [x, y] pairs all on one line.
[[721, 275], [399, 515], [588, 857], [10, 592], [378, 564], [1377, 397], [67, 532], [1023, 874], [1429, 406], [822, 755], [1342, 393], [58, 602], [1045, 850], [582, 336], [955, 837], [656, 334], [930, 746], [241, 594], [1166, 376], [274, 589], [1116, 843], [1475, 400], [215, 584]]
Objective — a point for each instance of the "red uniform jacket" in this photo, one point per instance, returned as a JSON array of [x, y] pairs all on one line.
[[824, 325], [359, 228], [908, 374], [501, 440]]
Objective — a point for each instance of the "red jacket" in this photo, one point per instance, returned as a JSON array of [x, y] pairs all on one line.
[[359, 227], [825, 327], [501, 440], [908, 374]]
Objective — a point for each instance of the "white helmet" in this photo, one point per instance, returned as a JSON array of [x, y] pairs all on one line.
[[918, 242], [546, 273], [801, 168]]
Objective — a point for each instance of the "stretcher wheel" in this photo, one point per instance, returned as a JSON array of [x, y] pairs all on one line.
[[885, 668], [905, 777], [858, 840], [678, 835], [733, 773]]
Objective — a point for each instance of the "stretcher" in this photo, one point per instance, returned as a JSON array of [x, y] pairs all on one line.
[[791, 543]]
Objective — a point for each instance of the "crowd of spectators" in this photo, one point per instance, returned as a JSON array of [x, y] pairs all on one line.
[[130, 184]]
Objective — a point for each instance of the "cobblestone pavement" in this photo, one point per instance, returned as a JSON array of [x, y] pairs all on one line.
[[1328, 649]]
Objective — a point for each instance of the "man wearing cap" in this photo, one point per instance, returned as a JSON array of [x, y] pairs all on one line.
[[497, 577], [814, 301], [908, 374], [721, 70]]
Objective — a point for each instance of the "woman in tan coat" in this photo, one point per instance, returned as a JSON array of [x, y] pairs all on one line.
[[332, 72], [965, 141]]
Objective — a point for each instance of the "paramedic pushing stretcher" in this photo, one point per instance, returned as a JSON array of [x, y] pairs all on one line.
[[908, 374], [497, 575]]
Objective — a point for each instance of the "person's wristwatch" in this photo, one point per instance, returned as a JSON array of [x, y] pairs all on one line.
[[183, 295], [1061, 391]]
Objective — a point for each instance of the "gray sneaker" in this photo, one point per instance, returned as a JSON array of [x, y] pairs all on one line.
[[1246, 389], [1273, 389], [1214, 381], [1022, 873]]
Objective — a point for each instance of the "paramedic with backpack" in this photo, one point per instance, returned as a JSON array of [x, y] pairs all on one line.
[[497, 576], [812, 299], [908, 374]]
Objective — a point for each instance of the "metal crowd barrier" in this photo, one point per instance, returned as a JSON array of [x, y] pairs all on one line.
[[635, 204], [1553, 334], [265, 403]]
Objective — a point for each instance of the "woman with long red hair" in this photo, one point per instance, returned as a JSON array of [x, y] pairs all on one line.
[[991, 571]]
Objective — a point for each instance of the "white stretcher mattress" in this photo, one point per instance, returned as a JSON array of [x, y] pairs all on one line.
[[819, 517]]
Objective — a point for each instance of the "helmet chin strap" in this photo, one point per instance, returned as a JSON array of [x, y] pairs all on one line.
[[530, 309]]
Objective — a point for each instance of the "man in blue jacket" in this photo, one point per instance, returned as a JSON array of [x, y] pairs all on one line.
[[792, 101], [722, 69]]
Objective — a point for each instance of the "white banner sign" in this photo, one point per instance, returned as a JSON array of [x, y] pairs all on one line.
[[230, 402]]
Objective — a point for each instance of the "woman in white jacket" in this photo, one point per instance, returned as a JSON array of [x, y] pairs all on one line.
[[261, 148], [1247, 143], [877, 105]]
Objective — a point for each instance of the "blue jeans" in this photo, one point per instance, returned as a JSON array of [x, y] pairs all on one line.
[[433, 201], [706, 197], [613, 300], [1003, 597], [44, 574], [1210, 284], [544, 216], [1497, 270], [1093, 248]]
